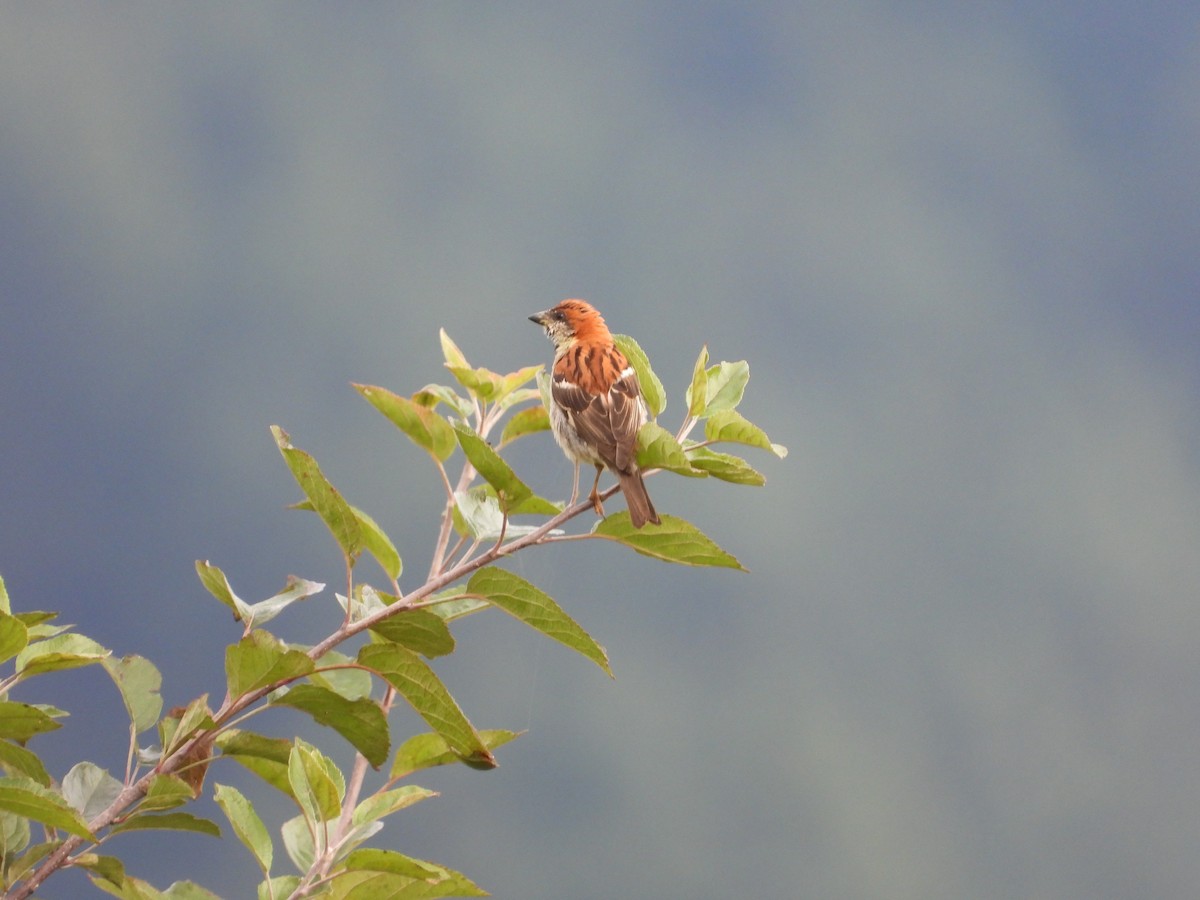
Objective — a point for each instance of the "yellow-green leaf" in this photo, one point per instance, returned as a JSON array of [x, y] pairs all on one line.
[[417, 629], [424, 691], [527, 421], [725, 383], [246, 824], [334, 511], [523, 601], [21, 721], [259, 660], [14, 635], [173, 821], [674, 541], [63, 651], [424, 751], [658, 449], [494, 470], [652, 389], [697, 391], [725, 466], [361, 722], [27, 798], [731, 425], [423, 425], [454, 356]]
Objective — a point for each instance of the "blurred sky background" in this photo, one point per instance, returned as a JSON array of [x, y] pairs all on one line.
[[958, 244]]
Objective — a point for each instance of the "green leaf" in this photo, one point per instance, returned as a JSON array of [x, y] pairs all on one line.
[[317, 784], [175, 731], [64, 651], [14, 836], [491, 387], [725, 385], [5, 605], [477, 513], [166, 792], [139, 682], [424, 751], [725, 466], [217, 584], [280, 886], [246, 824], [652, 388], [674, 541], [527, 421], [494, 470], [525, 602], [334, 511], [378, 544], [298, 842], [349, 681], [107, 867], [433, 394], [21, 721], [264, 756], [451, 353], [697, 391], [13, 636], [264, 611], [18, 760], [731, 425], [417, 629], [361, 722], [377, 874], [90, 789], [417, 683], [385, 803], [423, 425], [173, 821], [658, 449], [452, 604], [259, 660], [27, 798]]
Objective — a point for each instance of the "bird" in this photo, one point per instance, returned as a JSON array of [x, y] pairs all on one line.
[[597, 406]]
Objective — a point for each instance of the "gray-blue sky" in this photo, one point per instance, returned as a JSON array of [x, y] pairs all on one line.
[[957, 245]]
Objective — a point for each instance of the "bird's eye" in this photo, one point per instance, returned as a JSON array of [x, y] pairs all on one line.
[[560, 315]]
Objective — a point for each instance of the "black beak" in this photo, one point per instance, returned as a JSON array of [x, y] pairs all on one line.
[[538, 318]]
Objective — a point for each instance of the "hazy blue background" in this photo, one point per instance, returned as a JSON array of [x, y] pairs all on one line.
[[958, 244]]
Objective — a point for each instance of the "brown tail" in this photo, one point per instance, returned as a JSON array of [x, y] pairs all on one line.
[[641, 510]]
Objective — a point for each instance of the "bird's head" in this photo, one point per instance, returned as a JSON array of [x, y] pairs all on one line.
[[571, 321]]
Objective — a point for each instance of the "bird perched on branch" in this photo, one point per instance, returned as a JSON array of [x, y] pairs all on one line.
[[597, 404]]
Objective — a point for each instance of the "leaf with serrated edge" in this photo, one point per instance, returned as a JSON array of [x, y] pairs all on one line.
[[138, 681], [166, 792], [674, 541], [523, 601], [24, 762], [725, 466], [731, 425], [424, 691], [425, 751], [387, 802], [658, 449], [63, 651], [652, 389], [265, 757], [417, 629], [246, 824], [21, 721], [317, 783], [492, 467], [329, 504], [260, 659], [173, 821], [423, 425], [361, 722], [27, 798]]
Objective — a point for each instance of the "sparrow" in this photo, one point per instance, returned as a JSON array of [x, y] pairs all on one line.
[[597, 406]]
